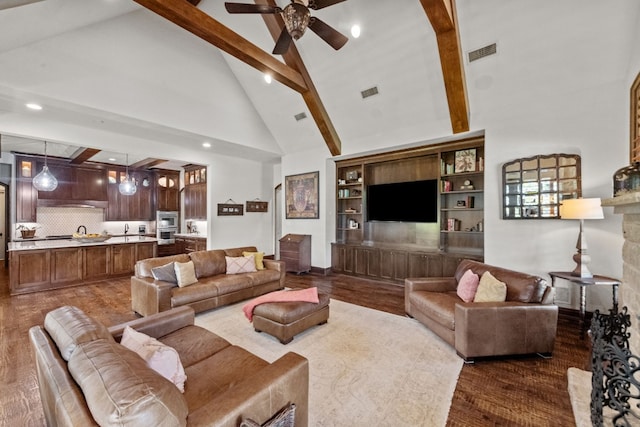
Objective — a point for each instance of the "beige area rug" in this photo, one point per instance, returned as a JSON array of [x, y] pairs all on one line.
[[367, 368]]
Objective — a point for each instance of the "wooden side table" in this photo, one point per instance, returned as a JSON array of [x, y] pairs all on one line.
[[584, 283]]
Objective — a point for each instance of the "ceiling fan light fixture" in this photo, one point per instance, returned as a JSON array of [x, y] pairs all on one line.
[[296, 18], [45, 181]]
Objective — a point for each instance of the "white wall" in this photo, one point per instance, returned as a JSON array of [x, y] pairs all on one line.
[[311, 161], [239, 180], [551, 95]]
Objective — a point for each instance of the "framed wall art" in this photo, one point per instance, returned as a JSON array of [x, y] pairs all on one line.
[[302, 196], [230, 208], [465, 161], [257, 206]]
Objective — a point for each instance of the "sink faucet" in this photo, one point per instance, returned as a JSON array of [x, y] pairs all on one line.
[[83, 227], [126, 228]]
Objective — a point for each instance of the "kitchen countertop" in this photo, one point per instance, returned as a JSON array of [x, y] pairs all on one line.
[[191, 235], [32, 244]]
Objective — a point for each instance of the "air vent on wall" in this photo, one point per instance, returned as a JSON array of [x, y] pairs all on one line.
[[482, 52], [369, 92], [300, 116]]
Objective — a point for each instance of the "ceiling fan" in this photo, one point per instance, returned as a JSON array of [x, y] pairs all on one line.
[[296, 18]]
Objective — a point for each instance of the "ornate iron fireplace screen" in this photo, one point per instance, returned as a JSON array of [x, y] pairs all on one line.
[[615, 371]]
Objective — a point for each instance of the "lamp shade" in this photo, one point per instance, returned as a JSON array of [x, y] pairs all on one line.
[[581, 209]]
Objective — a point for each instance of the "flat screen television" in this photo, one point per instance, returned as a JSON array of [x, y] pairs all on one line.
[[413, 201]]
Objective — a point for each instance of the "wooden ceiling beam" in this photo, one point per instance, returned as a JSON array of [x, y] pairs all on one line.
[[311, 96], [443, 18], [147, 163], [83, 154], [204, 26], [194, 2]]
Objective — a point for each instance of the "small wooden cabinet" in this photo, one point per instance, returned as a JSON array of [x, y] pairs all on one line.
[[295, 251]]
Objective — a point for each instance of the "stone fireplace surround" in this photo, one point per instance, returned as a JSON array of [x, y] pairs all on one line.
[[628, 205]]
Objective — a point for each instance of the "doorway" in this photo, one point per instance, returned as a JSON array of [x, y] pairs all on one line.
[[277, 219], [4, 192]]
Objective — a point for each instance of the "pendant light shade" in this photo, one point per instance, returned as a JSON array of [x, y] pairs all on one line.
[[128, 186], [45, 181]]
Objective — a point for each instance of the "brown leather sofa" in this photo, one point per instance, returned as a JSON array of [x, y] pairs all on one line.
[[87, 378], [214, 288], [525, 323]]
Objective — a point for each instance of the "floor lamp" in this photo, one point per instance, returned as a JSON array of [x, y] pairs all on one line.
[[581, 209]]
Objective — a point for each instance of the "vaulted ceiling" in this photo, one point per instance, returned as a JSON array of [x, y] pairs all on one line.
[[128, 75]]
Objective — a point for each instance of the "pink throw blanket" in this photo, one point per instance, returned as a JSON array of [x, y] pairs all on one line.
[[302, 295]]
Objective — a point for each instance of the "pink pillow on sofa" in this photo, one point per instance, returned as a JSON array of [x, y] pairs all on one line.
[[467, 286]]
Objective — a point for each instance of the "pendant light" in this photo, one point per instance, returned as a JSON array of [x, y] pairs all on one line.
[[45, 181], [128, 186]]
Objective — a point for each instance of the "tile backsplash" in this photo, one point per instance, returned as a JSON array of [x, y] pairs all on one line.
[[57, 221]]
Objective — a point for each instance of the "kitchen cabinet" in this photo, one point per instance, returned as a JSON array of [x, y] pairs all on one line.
[[89, 184], [295, 251], [122, 259], [76, 184], [145, 251], [187, 244], [42, 265], [137, 207], [30, 271], [167, 190], [96, 262], [26, 194], [195, 192], [66, 265]]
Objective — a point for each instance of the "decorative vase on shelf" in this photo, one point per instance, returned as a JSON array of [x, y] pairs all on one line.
[[626, 179]]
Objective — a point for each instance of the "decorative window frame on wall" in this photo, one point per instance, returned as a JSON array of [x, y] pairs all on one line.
[[534, 187], [634, 152]]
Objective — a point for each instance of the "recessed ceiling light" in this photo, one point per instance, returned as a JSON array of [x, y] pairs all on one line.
[[33, 106], [112, 159], [355, 31], [268, 79], [206, 144]]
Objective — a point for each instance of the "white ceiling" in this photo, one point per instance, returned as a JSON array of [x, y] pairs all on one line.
[[114, 76]]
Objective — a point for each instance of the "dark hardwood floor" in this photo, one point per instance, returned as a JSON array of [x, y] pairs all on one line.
[[515, 391]]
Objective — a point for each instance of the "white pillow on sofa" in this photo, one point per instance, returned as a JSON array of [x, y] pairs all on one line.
[[161, 358], [185, 273], [243, 264], [490, 289]]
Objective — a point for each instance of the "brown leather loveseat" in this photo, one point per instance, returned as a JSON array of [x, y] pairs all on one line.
[[87, 378], [214, 287], [525, 323]]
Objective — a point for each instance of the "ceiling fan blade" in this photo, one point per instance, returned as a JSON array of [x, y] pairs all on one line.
[[282, 45], [319, 4], [250, 8], [327, 33]]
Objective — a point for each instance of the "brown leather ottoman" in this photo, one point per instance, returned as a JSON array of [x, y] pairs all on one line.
[[283, 320]]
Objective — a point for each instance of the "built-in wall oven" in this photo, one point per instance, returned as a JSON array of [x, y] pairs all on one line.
[[166, 227]]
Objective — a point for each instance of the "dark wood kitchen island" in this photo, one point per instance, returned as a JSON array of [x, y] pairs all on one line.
[[51, 264]]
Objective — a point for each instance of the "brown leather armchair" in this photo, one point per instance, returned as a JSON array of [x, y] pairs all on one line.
[[525, 323]]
